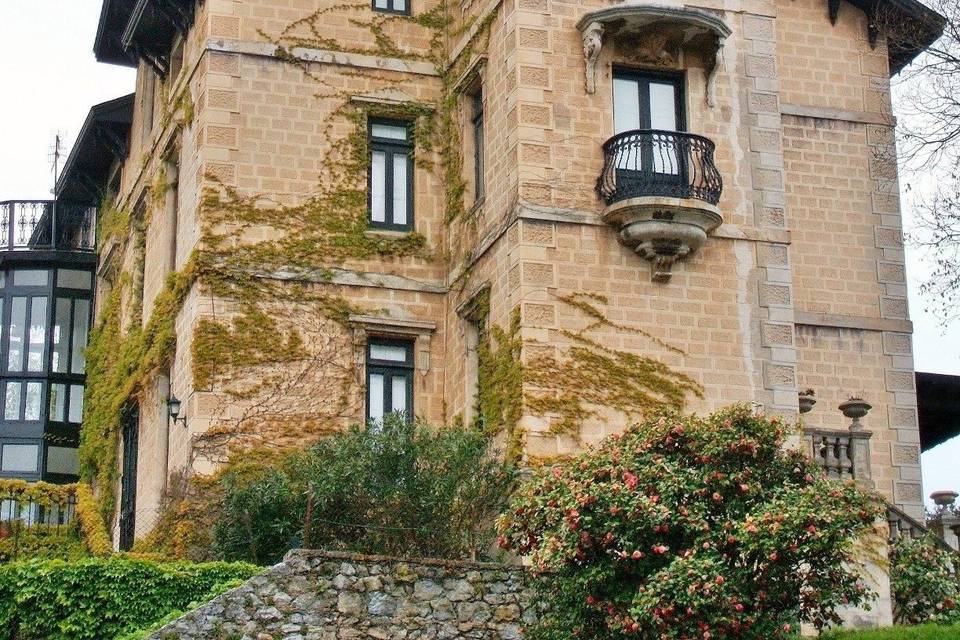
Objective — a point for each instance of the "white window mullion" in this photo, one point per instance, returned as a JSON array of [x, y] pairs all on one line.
[[378, 187]]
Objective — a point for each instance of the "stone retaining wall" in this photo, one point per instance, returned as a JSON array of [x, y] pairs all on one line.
[[315, 595]]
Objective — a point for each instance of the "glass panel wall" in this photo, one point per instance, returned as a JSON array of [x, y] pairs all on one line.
[[44, 328]]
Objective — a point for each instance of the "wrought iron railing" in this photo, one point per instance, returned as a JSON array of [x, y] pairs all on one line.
[[650, 162], [45, 225], [27, 523]]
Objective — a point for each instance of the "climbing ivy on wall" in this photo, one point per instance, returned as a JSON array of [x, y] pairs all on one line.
[[283, 344], [579, 384], [260, 254]]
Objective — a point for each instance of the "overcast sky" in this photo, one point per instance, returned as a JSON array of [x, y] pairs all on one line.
[[50, 81]]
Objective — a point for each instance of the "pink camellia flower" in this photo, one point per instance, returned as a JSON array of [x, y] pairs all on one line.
[[717, 497], [557, 472], [660, 549], [630, 479], [637, 554]]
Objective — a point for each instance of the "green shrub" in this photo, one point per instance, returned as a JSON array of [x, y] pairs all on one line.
[[42, 541], [402, 489], [689, 527], [922, 632], [925, 582], [101, 598]]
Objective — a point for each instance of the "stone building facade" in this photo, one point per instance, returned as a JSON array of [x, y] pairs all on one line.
[[541, 216]]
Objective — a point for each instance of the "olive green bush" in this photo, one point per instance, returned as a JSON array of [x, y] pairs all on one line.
[[101, 598], [399, 489]]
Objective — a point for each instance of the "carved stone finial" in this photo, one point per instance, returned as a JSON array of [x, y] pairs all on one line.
[[592, 44]]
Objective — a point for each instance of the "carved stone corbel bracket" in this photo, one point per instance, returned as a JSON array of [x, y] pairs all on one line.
[[712, 74], [681, 25], [592, 45]]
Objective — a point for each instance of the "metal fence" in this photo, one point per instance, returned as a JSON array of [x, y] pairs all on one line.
[[25, 522], [46, 225]]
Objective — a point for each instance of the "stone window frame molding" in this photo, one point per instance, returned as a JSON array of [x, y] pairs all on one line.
[[595, 25], [421, 332]]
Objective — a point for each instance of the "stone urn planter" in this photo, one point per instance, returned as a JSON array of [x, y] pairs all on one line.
[[807, 399], [944, 498], [855, 408]]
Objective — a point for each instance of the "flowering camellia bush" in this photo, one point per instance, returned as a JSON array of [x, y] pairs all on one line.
[[688, 527], [925, 581]]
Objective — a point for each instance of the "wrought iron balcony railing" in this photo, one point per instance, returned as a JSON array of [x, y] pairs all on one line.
[[45, 225], [650, 162]]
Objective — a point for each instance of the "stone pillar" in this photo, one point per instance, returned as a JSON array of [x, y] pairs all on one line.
[[946, 522], [761, 89]]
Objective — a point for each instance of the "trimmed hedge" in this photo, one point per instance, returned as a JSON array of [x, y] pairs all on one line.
[[102, 598], [922, 632]]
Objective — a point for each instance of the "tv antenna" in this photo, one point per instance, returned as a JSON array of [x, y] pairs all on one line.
[[56, 154]]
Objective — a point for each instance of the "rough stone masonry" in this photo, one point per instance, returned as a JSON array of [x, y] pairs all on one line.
[[315, 595]]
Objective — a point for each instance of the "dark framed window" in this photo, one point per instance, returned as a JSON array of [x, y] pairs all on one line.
[[650, 102], [130, 427], [478, 163], [390, 179], [389, 378], [647, 100], [392, 6]]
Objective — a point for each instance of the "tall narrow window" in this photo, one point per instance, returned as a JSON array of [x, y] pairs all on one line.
[[392, 6], [38, 333], [652, 103], [390, 183], [478, 163], [61, 335], [17, 330], [81, 322], [389, 379]]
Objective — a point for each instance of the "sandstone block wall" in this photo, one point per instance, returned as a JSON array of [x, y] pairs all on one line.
[[802, 286], [316, 595]]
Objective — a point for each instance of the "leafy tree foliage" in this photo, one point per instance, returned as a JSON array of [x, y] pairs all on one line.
[[401, 488], [929, 143], [689, 527]]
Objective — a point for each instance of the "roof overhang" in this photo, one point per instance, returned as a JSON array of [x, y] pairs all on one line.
[[938, 408], [915, 26], [141, 29], [114, 15], [103, 139]]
